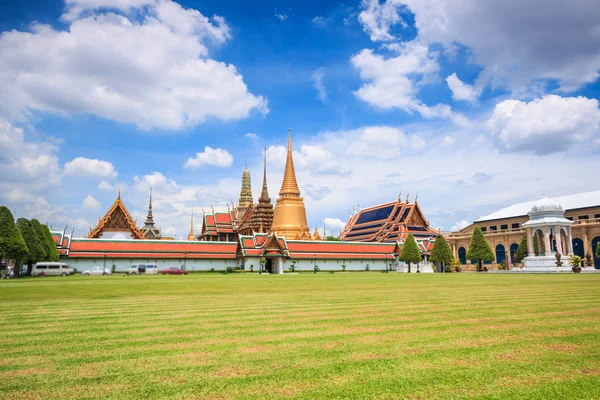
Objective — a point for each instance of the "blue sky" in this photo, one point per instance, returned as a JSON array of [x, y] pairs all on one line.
[[472, 105]]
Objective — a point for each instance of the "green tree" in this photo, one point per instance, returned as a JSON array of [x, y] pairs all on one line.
[[410, 251], [441, 252], [53, 251], [522, 251], [12, 244], [598, 250], [479, 249], [39, 231], [37, 252], [333, 239]]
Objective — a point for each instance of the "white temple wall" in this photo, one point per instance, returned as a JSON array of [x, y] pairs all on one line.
[[122, 264], [336, 265]]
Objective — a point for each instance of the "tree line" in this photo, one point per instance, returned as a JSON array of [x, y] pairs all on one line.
[[25, 241]]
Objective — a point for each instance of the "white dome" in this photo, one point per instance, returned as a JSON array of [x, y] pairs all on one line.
[[546, 204]]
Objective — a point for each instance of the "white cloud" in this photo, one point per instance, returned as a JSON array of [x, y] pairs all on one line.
[[28, 167], [157, 181], [314, 158], [383, 142], [280, 16], [318, 84], [461, 90], [333, 226], [517, 43], [148, 68], [105, 185], [251, 135], [215, 157], [90, 168], [318, 21], [460, 225], [394, 82], [316, 192], [448, 141], [546, 125], [90, 203]]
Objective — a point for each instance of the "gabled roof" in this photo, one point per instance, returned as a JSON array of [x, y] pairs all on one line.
[[218, 222], [117, 218], [570, 202], [387, 222], [262, 245]]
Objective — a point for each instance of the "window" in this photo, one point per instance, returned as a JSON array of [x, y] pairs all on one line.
[[52, 266], [483, 228], [570, 218], [41, 267], [493, 228], [583, 217], [504, 227], [515, 226], [597, 216]]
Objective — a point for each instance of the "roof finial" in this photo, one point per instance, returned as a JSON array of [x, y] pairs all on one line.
[[407, 194], [191, 235], [416, 197], [400, 195], [119, 194]]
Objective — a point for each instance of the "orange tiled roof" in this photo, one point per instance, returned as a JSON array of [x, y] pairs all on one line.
[[118, 218]]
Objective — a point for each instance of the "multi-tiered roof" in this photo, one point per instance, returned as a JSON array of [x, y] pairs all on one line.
[[262, 213], [389, 222], [117, 219]]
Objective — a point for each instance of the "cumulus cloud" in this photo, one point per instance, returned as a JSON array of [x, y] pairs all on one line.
[[460, 225], [251, 135], [545, 125], [316, 192], [461, 90], [517, 43], [311, 157], [394, 82], [105, 185], [215, 157], [333, 226], [90, 168], [28, 167], [149, 67], [90, 203], [448, 141], [384, 142]]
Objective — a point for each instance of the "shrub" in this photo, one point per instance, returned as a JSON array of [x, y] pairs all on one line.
[[480, 249], [410, 251], [502, 265], [343, 267], [251, 267], [368, 267], [229, 270], [212, 270]]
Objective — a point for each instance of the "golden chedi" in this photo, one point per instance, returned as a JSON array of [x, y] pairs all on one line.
[[289, 218]]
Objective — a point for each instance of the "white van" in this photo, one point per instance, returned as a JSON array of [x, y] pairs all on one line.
[[146, 269], [52, 269]]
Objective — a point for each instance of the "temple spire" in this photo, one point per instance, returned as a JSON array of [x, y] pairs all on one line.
[[191, 235], [149, 218], [265, 191], [246, 200], [289, 186]]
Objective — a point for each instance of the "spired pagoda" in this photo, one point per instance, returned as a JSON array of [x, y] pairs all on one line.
[[149, 229], [246, 200], [262, 214], [289, 216]]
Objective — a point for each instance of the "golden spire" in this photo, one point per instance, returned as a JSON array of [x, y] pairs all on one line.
[[191, 235], [289, 186]]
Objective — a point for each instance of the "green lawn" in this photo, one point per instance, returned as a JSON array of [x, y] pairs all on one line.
[[324, 336]]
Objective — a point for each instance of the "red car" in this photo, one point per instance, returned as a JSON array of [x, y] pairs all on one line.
[[173, 271]]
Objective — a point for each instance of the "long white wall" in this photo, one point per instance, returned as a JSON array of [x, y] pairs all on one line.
[[122, 264]]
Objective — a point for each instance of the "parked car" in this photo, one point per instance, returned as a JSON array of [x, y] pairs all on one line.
[[173, 271], [97, 271], [147, 269], [52, 269]]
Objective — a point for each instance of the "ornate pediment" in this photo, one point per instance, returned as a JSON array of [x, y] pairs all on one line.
[[116, 219]]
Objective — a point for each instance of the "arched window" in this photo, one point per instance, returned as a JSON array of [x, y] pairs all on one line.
[[513, 250], [500, 253], [462, 255], [578, 247], [595, 244]]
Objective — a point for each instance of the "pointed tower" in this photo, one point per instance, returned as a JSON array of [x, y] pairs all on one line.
[[262, 216], [149, 229], [245, 200], [191, 237], [289, 217]]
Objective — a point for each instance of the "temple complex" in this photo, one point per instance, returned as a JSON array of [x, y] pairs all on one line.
[[149, 229], [289, 216]]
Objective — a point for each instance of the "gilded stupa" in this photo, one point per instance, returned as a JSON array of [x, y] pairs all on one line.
[[246, 199], [262, 215], [289, 217]]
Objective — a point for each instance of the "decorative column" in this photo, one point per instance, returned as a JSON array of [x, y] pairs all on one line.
[[529, 242], [586, 245], [558, 238], [547, 243], [570, 241]]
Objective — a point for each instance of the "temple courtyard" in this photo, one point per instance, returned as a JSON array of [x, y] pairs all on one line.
[[343, 335]]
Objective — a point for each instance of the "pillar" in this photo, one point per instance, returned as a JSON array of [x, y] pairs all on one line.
[[586, 246], [558, 238], [529, 242], [547, 243], [570, 241]]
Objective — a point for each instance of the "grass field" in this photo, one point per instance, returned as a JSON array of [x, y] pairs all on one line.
[[324, 336]]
